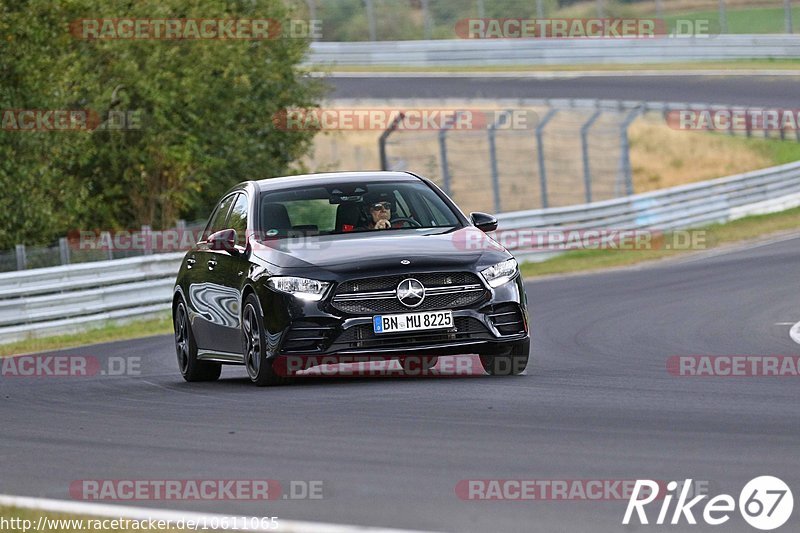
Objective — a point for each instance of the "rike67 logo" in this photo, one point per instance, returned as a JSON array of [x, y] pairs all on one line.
[[765, 503]]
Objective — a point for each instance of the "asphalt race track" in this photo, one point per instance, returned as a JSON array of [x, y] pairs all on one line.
[[598, 403], [782, 91]]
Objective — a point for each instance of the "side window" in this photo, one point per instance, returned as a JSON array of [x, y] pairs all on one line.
[[220, 216], [238, 219]]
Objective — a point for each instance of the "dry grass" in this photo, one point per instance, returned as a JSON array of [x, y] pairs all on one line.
[[660, 157]]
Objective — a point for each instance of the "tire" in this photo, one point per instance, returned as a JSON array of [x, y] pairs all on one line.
[[259, 368], [513, 363], [417, 365], [191, 368]]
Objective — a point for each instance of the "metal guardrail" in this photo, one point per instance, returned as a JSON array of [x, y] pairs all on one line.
[[68, 298], [65, 299], [686, 206], [472, 52]]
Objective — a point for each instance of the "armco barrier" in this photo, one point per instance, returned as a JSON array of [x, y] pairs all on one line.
[[474, 52], [698, 204], [68, 298], [64, 299]]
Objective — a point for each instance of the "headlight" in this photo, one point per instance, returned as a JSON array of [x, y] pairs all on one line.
[[303, 288], [500, 273]]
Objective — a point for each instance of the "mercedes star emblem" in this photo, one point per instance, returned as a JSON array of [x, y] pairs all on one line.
[[410, 292]]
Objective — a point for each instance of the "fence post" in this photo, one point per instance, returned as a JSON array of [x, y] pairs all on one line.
[[540, 9], [723, 17], [148, 242], [625, 156], [787, 15], [22, 260], [601, 11], [384, 137], [426, 19], [443, 160], [540, 153], [491, 132], [373, 33], [659, 8], [587, 171], [105, 236], [63, 248], [312, 17], [443, 151]]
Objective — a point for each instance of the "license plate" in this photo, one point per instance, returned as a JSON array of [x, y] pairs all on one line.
[[413, 321]]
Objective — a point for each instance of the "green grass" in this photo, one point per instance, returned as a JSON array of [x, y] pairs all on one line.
[[779, 153], [715, 235], [113, 331], [749, 20]]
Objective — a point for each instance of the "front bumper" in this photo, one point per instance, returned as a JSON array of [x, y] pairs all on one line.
[[488, 327]]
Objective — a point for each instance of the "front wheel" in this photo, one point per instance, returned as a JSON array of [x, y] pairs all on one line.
[[513, 363], [191, 368], [259, 368]]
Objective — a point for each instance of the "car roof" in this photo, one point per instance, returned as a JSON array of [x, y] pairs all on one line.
[[329, 178]]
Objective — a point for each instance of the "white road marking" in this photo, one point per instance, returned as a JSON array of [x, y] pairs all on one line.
[[141, 513], [794, 333]]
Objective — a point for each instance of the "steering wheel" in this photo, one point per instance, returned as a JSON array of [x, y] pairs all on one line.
[[411, 222]]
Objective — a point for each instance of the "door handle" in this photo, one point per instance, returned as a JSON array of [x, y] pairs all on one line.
[[212, 263]]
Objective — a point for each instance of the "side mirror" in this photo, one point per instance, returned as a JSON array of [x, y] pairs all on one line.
[[483, 221], [223, 240]]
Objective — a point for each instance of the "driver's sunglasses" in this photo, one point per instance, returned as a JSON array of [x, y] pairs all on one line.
[[386, 206]]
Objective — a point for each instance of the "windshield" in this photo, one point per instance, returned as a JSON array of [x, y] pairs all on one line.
[[352, 207]]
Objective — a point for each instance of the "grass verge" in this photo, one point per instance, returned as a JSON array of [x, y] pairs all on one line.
[[113, 331], [715, 235]]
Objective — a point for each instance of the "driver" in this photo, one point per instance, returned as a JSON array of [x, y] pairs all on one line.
[[380, 212]]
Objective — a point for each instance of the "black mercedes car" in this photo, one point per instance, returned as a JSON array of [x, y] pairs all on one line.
[[375, 264]]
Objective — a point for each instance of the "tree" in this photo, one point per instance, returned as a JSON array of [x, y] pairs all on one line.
[[202, 109]]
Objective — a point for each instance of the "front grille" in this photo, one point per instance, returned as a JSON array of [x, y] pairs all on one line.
[[390, 283], [363, 336], [444, 290], [507, 318]]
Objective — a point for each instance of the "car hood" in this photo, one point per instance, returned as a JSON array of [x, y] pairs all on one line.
[[384, 251]]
